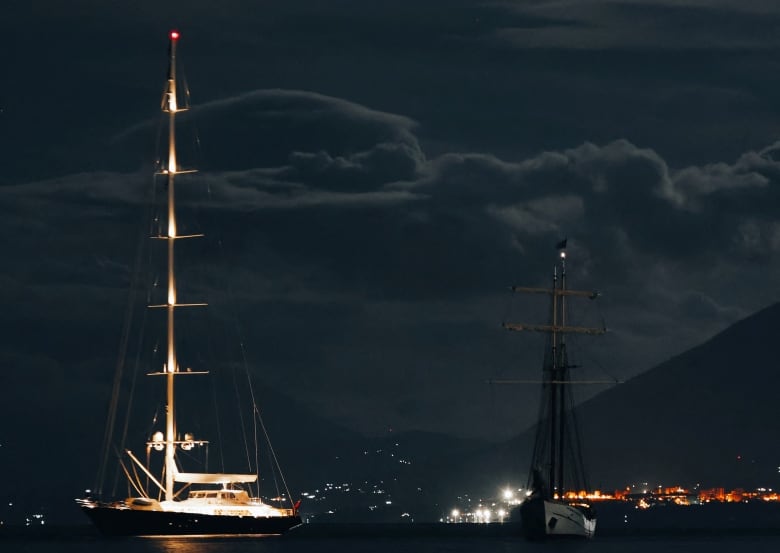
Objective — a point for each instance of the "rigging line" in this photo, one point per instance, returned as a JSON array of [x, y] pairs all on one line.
[[615, 379], [218, 423], [259, 418], [540, 444], [238, 402], [135, 280], [132, 298], [120, 362], [273, 475], [254, 419], [254, 402], [161, 402], [213, 380], [273, 454], [239, 410], [137, 365], [237, 391], [161, 123], [231, 303], [275, 467], [576, 439], [245, 365], [604, 325], [108, 433], [593, 361], [131, 393], [221, 328], [508, 309], [241, 420], [128, 477], [198, 151], [134, 480], [187, 91], [148, 479]]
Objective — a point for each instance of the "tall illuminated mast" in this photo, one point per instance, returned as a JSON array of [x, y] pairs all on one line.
[[157, 508], [170, 106]]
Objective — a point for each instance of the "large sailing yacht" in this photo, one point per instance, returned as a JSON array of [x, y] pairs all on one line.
[[554, 508], [174, 502]]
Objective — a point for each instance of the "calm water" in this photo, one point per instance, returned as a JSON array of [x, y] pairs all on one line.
[[715, 544]]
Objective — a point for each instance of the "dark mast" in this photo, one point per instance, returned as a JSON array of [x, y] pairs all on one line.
[[554, 428]]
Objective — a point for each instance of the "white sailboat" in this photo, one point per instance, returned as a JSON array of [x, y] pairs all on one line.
[[554, 508], [176, 502]]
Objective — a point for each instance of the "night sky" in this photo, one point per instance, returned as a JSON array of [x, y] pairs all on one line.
[[374, 176]]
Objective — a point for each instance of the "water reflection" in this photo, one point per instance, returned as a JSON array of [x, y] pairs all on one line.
[[213, 545]]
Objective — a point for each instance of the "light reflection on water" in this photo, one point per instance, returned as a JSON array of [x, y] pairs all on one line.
[[335, 545], [213, 545], [390, 544], [404, 544]]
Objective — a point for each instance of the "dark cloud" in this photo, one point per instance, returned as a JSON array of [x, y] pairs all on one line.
[[374, 177], [395, 263], [642, 25]]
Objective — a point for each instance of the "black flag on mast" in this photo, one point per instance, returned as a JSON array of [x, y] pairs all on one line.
[[561, 245]]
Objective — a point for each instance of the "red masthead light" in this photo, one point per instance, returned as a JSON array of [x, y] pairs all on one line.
[[174, 35]]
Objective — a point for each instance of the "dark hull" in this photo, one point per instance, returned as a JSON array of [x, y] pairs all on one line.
[[532, 518], [111, 521]]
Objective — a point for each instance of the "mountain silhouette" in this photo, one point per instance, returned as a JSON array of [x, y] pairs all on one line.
[[708, 415]]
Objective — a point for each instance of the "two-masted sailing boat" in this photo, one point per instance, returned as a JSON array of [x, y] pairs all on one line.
[[554, 507], [175, 502]]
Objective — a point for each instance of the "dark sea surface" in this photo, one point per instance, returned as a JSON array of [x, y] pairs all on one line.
[[389, 542]]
